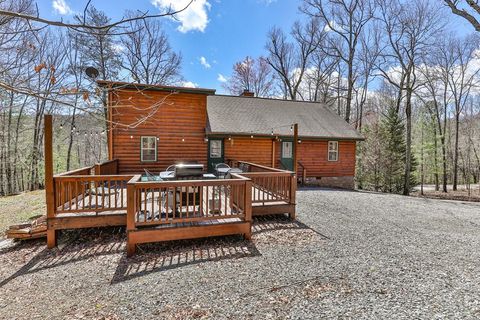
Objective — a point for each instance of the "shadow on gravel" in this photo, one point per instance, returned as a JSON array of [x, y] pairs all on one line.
[[280, 222], [158, 257], [83, 244], [75, 246]]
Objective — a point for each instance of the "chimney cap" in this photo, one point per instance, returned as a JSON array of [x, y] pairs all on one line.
[[247, 93]]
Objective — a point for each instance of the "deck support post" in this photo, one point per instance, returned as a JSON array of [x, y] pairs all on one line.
[[295, 148], [49, 185], [130, 216], [273, 153], [293, 196], [248, 207]]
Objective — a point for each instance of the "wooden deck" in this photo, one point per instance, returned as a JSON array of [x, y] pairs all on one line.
[[98, 196], [168, 210]]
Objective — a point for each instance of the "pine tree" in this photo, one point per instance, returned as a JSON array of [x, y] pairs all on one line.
[[392, 130]]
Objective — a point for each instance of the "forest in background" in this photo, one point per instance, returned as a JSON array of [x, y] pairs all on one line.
[[395, 70]]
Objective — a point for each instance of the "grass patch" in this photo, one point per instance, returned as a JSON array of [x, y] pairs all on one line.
[[20, 208]]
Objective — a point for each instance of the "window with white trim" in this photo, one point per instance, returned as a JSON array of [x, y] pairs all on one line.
[[148, 149], [332, 150]]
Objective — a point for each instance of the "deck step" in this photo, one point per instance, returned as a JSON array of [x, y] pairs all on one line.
[[33, 230]]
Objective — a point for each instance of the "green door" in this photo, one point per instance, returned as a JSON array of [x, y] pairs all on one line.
[[286, 155], [215, 153]]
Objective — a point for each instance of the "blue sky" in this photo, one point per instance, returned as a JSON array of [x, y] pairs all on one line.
[[232, 30], [212, 35]]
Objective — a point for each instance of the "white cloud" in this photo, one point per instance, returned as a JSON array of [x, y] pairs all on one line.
[[118, 48], [221, 78], [195, 17], [267, 2], [189, 84], [61, 7], [204, 62]]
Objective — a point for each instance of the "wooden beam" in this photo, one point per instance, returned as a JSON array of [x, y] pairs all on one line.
[[110, 126], [273, 209], [178, 233], [49, 185], [87, 221], [273, 153], [295, 148]]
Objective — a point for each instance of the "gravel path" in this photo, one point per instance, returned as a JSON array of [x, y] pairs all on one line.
[[350, 255]]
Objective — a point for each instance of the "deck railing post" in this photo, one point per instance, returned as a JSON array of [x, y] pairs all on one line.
[[49, 185], [293, 195], [131, 209], [248, 206]]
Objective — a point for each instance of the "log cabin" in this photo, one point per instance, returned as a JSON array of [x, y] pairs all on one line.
[[152, 127], [269, 142]]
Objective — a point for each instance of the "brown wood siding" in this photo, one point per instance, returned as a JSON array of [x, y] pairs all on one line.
[[179, 116], [183, 116], [313, 155], [257, 150]]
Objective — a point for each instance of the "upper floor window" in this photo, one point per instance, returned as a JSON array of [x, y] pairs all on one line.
[[332, 150], [148, 149]]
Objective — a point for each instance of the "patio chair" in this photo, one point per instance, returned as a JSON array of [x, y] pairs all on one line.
[[150, 176], [222, 169]]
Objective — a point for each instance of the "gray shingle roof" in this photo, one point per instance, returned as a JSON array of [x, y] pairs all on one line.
[[247, 115]]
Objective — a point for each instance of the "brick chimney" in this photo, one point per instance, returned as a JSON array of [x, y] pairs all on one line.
[[247, 93]]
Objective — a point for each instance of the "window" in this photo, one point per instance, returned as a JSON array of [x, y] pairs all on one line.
[[332, 150], [215, 148], [148, 149], [287, 151]]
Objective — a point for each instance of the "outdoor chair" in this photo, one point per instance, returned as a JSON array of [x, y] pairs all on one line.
[[222, 169]]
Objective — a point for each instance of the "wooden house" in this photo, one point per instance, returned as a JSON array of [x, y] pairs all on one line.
[[150, 128], [154, 127]]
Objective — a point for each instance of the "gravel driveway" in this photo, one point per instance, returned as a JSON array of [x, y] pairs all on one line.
[[350, 255]]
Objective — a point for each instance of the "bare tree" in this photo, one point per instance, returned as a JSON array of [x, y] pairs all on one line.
[[410, 29], [147, 54], [250, 74], [290, 59], [467, 9], [367, 58], [463, 77], [345, 20], [35, 22]]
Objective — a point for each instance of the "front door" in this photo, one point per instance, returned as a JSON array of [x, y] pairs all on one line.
[[287, 154], [215, 153]]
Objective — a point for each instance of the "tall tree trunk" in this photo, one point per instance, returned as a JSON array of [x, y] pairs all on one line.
[[435, 158], [408, 152], [455, 152], [349, 92]]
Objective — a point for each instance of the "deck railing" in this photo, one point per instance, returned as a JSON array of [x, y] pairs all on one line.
[[270, 185], [183, 201], [90, 193], [107, 167], [90, 189]]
